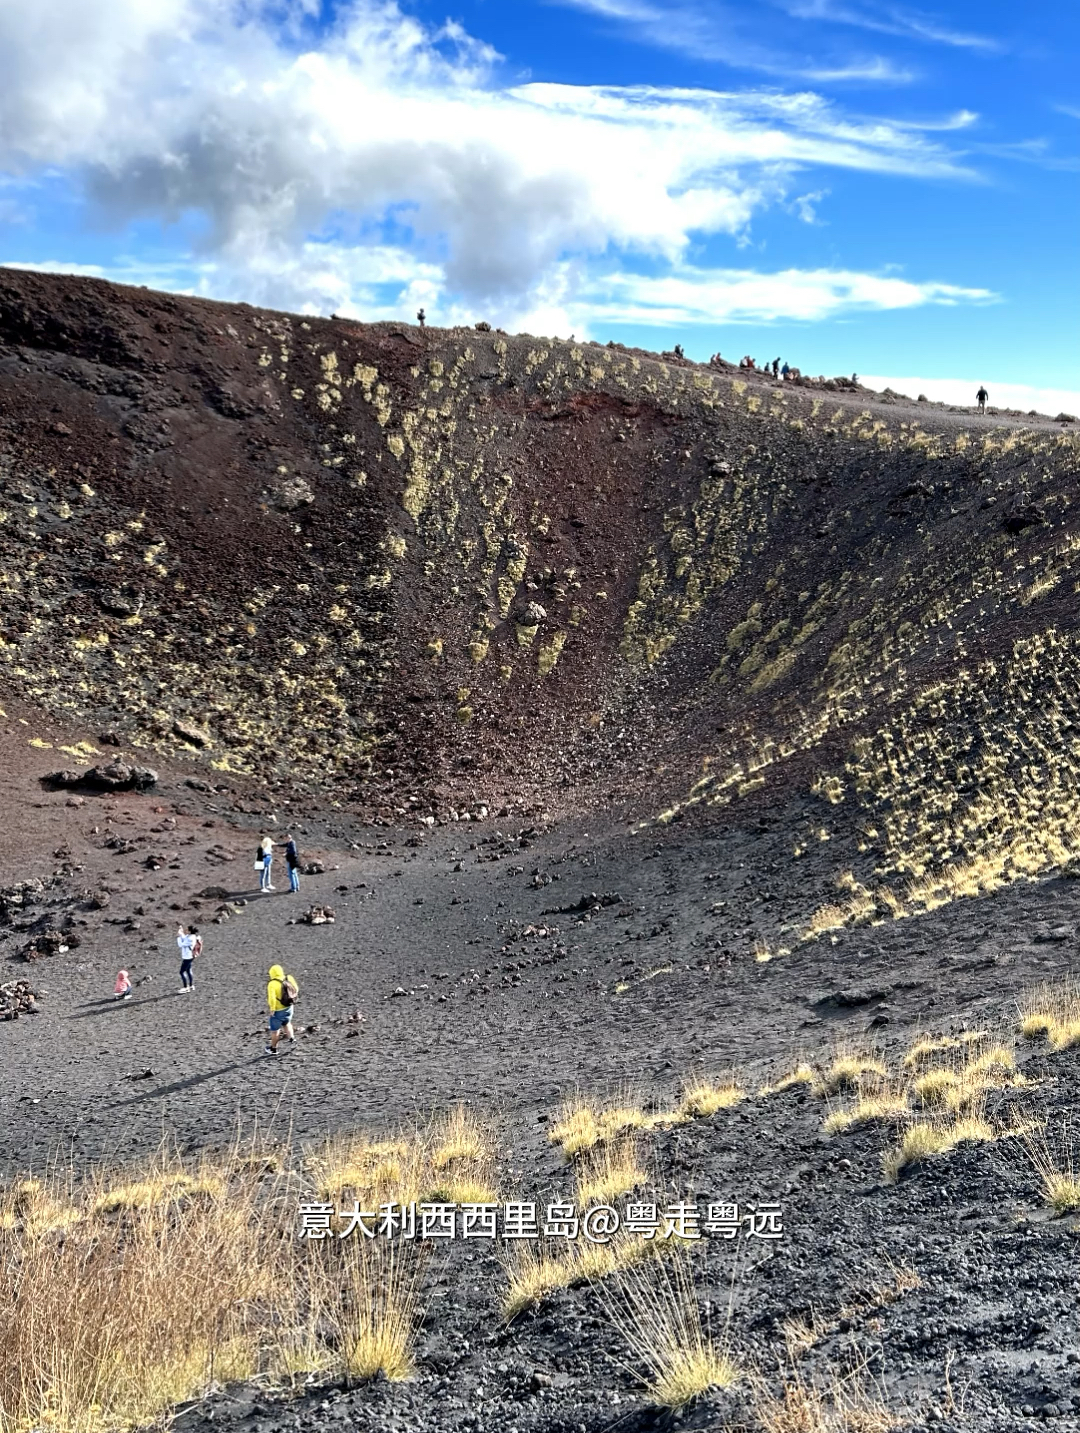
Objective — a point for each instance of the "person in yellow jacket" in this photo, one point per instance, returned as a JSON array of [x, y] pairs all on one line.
[[281, 992]]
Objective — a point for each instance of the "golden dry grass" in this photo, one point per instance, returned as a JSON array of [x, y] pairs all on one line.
[[876, 1101], [704, 1097], [136, 1289], [608, 1171], [843, 1406], [452, 1161], [1055, 1168], [801, 1074], [460, 1137], [655, 1308], [1052, 1010], [534, 1273], [928, 1045], [925, 1139], [584, 1122], [974, 1068], [847, 1068], [375, 1321]]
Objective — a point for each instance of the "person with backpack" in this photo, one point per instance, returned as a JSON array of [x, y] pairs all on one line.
[[281, 993], [292, 860], [266, 858]]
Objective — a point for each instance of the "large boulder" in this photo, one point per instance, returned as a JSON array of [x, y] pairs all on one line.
[[111, 776]]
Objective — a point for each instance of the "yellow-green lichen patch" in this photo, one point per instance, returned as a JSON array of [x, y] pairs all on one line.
[[550, 652]]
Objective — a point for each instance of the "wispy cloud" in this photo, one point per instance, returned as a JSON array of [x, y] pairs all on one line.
[[887, 20], [725, 34], [714, 296]]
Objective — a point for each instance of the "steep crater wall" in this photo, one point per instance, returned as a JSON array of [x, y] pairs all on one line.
[[392, 563]]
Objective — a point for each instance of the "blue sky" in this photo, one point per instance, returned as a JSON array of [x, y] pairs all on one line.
[[855, 185]]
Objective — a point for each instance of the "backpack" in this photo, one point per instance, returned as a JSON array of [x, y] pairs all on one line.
[[289, 989]]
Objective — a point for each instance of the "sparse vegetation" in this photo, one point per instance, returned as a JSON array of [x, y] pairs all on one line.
[[1053, 1011], [845, 1405], [924, 1139], [876, 1101], [847, 1069], [1056, 1168], [656, 1310], [452, 1160], [703, 1097], [585, 1123], [609, 1171], [126, 1295]]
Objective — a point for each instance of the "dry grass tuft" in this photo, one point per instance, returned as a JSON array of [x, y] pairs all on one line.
[[460, 1137], [584, 1124], [609, 1171], [136, 1290], [961, 1084], [704, 1097], [927, 1045], [453, 1161], [533, 1274], [1054, 1011], [843, 1407], [847, 1068], [376, 1319], [924, 1139], [802, 1074], [656, 1311], [877, 1100], [1056, 1169]]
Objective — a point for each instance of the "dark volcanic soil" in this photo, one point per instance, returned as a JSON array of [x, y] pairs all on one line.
[[589, 678], [471, 988]]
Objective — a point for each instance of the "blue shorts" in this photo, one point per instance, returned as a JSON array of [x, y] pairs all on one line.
[[280, 1018]]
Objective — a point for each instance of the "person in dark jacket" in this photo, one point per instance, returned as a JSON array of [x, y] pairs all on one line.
[[292, 860]]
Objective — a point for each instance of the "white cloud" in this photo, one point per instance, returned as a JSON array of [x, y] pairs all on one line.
[[723, 34], [888, 20], [961, 392], [739, 296], [380, 136]]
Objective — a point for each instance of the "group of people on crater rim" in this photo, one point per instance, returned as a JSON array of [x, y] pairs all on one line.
[[776, 368]]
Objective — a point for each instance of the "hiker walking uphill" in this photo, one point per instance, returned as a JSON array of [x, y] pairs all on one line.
[[281, 992], [980, 399]]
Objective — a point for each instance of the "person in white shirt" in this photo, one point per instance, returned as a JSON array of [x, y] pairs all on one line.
[[190, 943], [267, 848]]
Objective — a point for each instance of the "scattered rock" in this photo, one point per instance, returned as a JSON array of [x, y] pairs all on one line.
[[318, 915], [17, 997], [47, 943], [591, 902], [1024, 516], [290, 494], [194, 736]]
